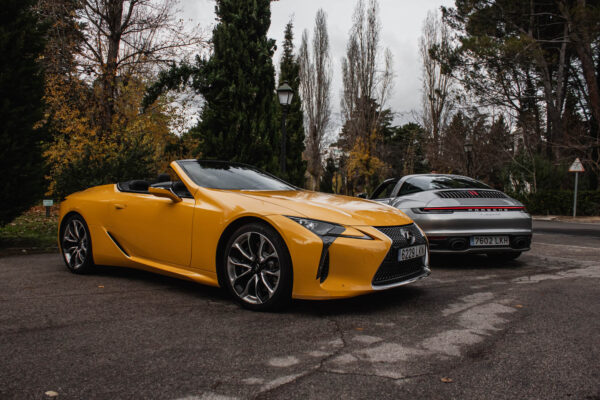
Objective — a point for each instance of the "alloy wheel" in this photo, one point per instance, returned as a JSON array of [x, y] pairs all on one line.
[[75, 244], [253, 267]]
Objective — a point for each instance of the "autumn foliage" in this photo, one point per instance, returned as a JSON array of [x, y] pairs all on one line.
[[81, 155]]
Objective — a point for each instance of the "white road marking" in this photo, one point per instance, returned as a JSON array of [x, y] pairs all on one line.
[[366, 339], [282, 380], [592, 271], [283, 362], [317, 353], [253, 381], [388, 353], [468, 302], [208, 396], [563, 245]]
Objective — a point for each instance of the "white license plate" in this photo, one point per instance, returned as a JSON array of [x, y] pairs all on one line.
[[491, 241], [412, 252]]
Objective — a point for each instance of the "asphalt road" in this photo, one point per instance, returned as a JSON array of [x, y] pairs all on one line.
[[475, 329]]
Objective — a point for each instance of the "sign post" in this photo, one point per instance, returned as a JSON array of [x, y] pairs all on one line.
[[47, 204], [576, 167]]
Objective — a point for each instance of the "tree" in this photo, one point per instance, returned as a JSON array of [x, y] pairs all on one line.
[[237, 122], [528, 57], [133, 148], [437, 85], [101, 55], [289, 71], [367, 84], [128, 37], [22, 86], [63, 37], [583, 19], [404, 149], [492, 147], [237, 82], [512, 37], [327, 184], [315, 87]]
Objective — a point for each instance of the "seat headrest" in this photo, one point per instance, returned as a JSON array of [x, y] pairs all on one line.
[[163, 178], [138, 185]]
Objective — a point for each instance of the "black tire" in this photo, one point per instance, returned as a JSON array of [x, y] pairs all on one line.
[[508, 256], [76, 245], [256, 268]]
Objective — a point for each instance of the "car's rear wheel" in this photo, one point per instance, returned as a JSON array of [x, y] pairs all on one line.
[[76, 245], [257, 269], [507, 256]]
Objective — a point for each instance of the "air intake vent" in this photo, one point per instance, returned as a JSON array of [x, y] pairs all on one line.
[[392, 271], [471, 194]]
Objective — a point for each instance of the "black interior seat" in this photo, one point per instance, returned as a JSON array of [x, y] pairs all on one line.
[[139, 185], [163, 178], [136, 186]]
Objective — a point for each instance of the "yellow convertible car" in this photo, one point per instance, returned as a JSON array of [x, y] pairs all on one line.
[[231, 225]]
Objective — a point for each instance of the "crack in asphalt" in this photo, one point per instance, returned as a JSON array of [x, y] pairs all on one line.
[[294, 378], [366, 375], [321, 366]]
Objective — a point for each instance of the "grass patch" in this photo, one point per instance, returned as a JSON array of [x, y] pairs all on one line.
[[32, 232]]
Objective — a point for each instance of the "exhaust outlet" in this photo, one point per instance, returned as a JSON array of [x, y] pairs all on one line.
[[458, 244], [521, 243]]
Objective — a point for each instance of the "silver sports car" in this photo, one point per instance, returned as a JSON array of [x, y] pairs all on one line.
[[460, 214]]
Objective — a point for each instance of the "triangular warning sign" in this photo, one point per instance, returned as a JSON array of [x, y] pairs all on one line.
[[577, 166]]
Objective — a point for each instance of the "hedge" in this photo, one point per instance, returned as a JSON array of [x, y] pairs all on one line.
[[560, 202]]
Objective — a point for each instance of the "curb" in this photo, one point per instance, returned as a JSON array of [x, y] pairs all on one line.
[[564, 218]]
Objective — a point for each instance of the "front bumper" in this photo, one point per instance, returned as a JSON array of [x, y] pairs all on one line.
[[352, 264]]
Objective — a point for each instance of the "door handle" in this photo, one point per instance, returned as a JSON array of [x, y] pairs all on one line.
[[120, 206]]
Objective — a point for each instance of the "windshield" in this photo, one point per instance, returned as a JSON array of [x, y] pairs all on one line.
[[231, 176], [433, 182]]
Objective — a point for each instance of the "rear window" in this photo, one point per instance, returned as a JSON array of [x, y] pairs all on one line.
[[434, 182]]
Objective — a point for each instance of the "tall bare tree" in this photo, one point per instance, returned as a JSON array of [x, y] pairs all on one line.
[[315, 88], [367, 79], [437, 86], [120, 37], [583, 18]]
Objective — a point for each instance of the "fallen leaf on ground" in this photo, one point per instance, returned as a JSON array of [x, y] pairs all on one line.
[[360, 329], [519, 306], [101, 286], [446, 380], [51, 393]]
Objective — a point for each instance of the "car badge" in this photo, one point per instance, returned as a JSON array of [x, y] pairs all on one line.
[[410, 238], [473, 193]]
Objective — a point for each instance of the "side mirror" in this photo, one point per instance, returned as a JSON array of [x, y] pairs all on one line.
[[161, 192], [362, 195]]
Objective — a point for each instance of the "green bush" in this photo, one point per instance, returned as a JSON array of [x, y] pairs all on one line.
[[560, 202]]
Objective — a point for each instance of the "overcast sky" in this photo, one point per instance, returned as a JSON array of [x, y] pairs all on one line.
[[401, 22]]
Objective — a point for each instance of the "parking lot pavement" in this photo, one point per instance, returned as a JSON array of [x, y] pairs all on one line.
[[475, 329]]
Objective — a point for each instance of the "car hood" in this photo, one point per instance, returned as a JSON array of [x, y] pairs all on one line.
[[343, 210]]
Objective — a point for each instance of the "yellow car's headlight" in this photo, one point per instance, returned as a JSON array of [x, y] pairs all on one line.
[[328, 229]]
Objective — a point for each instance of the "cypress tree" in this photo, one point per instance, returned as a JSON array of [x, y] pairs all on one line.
[[237, 122], [21, 107], [289, 71]]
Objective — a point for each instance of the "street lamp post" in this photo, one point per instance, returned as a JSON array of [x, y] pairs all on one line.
[[468, 146], [285, 94]]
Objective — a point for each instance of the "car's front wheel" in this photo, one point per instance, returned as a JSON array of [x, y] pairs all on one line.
[[257, 269], [76, 245]]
